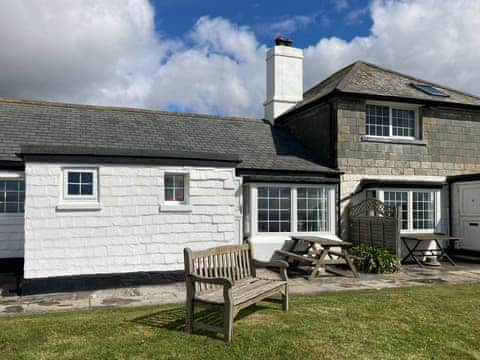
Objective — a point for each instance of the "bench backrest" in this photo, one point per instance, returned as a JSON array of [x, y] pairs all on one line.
[[230, 261]]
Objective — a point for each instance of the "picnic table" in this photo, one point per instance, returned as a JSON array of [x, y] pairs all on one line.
[[418, 251], [305, 250]]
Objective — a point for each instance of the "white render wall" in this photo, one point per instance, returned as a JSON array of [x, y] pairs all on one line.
[[130, 233], [11, 227]]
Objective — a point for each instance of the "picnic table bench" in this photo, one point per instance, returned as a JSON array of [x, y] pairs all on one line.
[[305, 250], [226, 277]]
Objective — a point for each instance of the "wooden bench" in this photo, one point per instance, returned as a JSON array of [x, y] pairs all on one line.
[[226, 277]]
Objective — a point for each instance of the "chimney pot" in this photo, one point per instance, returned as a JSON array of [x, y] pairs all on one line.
[[280, 40]]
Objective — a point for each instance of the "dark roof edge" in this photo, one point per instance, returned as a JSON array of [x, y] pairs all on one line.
[[463, 177], [373, 183], [328, 172], [26, 150], [12, 165]]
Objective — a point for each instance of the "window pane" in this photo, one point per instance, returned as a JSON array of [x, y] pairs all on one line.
[[179, 195], [168, 194], [273, 209], [403, 122], [168, 181], [11, 207], [423, 210], [87, 189], [12, 185], [312, 209], [86, 178], [11, 197], [377, 120], [399, 199], [73, 177], [73, 189], [179, 181]]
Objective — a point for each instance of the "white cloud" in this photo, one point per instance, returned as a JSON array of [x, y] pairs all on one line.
[[432, 39], [108, 52], [86, 51]]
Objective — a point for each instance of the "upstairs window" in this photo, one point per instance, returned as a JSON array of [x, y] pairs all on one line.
[[391, 121], [12, 196]]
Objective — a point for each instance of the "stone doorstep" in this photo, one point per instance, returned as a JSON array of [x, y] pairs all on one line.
[[175, 293]]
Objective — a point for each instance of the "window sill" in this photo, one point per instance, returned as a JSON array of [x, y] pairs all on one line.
[[79, 206], [392, 140], [175, 207]]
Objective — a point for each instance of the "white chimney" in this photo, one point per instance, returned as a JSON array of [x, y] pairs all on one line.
[[284, 78]]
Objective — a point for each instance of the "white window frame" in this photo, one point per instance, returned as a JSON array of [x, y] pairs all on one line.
[[437, 193], [332, 206], [13, 176], [177, 206], [397, 106], [80, 198], [186, 186]]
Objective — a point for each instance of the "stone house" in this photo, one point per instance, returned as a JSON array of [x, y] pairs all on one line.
[[94, 196]]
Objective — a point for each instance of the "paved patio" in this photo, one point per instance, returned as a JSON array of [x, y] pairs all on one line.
[[410, 275]]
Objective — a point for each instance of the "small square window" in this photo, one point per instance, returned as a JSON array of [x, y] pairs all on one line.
[[80, 184], [175, 189], [12, 196]]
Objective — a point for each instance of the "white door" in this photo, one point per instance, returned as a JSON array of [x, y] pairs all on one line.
[[470, 215], [471, 235]]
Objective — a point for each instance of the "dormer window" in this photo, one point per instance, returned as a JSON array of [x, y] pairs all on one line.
[[398, 121]]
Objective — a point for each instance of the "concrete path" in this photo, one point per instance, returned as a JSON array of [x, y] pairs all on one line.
[[175, 293]]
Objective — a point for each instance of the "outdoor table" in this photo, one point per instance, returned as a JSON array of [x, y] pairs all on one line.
[[415, 252], [304, 250]]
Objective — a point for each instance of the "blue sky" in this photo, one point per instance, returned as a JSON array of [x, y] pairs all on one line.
[[209, 56], [304, 21]]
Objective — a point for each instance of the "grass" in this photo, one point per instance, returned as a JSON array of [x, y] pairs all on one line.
[[435, 322]]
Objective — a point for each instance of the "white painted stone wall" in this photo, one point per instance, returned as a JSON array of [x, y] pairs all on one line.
[[11, 227], [131, 232]]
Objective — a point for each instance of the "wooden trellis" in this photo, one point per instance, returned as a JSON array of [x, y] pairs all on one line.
[[371, 222]]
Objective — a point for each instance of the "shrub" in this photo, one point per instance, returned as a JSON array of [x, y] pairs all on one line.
[[375, 260]]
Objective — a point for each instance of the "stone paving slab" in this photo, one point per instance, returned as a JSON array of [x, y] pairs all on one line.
[[175, 292]]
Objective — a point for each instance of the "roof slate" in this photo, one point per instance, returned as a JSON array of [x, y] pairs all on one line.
[[254, 141], [369, 79]]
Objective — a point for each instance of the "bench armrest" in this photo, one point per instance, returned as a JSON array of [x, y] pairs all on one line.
[[280, 264]]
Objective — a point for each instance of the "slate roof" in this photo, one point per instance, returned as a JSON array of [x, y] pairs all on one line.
[[255, 142], [363, 78]]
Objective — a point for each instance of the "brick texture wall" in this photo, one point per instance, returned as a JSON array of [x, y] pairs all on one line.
[[130, 233]]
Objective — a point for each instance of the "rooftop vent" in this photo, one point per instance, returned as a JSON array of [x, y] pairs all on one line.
[[283, 41], [430, 90]]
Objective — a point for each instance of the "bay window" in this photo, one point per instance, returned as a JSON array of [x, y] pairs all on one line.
[[419, 209], [292, 208]]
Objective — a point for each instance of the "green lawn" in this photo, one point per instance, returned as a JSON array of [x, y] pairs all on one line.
[[418, 323]]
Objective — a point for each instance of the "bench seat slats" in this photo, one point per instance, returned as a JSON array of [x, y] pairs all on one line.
[[242, 291]]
